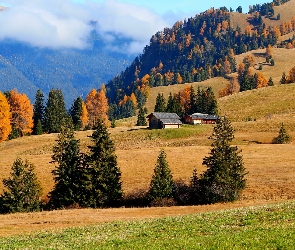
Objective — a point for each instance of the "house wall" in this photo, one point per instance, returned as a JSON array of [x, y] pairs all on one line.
[[171, 126]]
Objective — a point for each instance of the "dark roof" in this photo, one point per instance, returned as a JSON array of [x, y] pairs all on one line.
[[163, 115], [203, 116], [166, 118]]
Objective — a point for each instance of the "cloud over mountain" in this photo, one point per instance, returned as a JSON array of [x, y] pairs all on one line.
[[65, 24]]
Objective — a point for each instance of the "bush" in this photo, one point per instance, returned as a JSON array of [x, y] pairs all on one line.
[[283, 136], [137, 198]]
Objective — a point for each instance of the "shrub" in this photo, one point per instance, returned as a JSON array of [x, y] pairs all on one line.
[[283, 136]]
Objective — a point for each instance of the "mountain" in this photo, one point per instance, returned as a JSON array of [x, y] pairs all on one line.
[[203, 47], [74, 71]]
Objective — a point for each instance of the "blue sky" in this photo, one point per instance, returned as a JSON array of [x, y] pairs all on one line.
[[65, 23]]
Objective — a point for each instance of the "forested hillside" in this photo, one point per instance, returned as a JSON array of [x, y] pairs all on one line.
[[203, 47]]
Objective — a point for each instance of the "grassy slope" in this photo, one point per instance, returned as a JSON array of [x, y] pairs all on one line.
[[265, 227]]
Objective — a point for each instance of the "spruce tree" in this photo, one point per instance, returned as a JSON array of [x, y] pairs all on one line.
[[195, 188], [23, 190], [106, 190], [141, 119], [162, 184], [76, 113], [38, 115], [283, 137], [55, 111], [223, 180], [67, 174], [160, 103]]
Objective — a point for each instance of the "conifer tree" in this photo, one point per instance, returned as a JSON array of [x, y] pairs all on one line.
[[55, 111], [5, 117], [67, 174], [141, 119], [38, 115], [162, 184], [283, 137], [284, 79], [76, 113], [23, 190], [160, 103], [195, 188], [106, 190], [223, 180]]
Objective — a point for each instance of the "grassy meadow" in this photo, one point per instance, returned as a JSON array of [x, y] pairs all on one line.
[[256, 117], [260, 227]]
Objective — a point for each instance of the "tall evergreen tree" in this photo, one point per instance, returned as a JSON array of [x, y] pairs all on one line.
[[55, 111], [141, 119], [160, 103], [76, 113], [173, 105], [162, 184], [210, 102], [67, 174], [23, 190], [103, 169], [195, 188], [223, 180], [38, 115]]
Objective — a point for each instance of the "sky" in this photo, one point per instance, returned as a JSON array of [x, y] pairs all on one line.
[[65, 23]]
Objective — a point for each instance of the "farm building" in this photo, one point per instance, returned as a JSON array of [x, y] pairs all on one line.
[[159, 120], [199, 118]]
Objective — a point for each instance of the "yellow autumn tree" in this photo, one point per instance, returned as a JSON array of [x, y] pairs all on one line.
[[5, 117], [134, 100], [97, 107], [103, 107], [91, 105], [22, 113], [84, 116]]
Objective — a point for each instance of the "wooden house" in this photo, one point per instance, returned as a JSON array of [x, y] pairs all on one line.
[[199, 118], [161, 120]]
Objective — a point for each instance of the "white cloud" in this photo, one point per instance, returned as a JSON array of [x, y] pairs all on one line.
[[64, 23]]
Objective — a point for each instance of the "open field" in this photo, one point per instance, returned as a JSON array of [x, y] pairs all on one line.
[[260, 227], [271, 168]]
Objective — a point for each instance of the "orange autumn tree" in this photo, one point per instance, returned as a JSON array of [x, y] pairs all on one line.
[[22, 113], [5, 116], [261, 80], [231, 88], [292, 75], [97, 107]]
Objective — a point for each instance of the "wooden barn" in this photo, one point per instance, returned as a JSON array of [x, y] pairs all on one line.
[[160, 120], [199, 118]]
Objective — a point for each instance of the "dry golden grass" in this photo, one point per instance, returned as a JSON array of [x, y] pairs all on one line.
[[271, 176]]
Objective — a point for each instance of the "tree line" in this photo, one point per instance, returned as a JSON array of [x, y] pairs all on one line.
[[93, 179], [187, 102], [18, 117]]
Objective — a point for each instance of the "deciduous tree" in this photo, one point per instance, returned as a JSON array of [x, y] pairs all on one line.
[[22, 113], [5, 117]]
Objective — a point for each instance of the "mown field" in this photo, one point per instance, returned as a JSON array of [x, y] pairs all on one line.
[[261, 227]]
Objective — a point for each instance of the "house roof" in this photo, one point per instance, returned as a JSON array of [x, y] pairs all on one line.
[[163, 115], [203, 116], [166, 118]]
